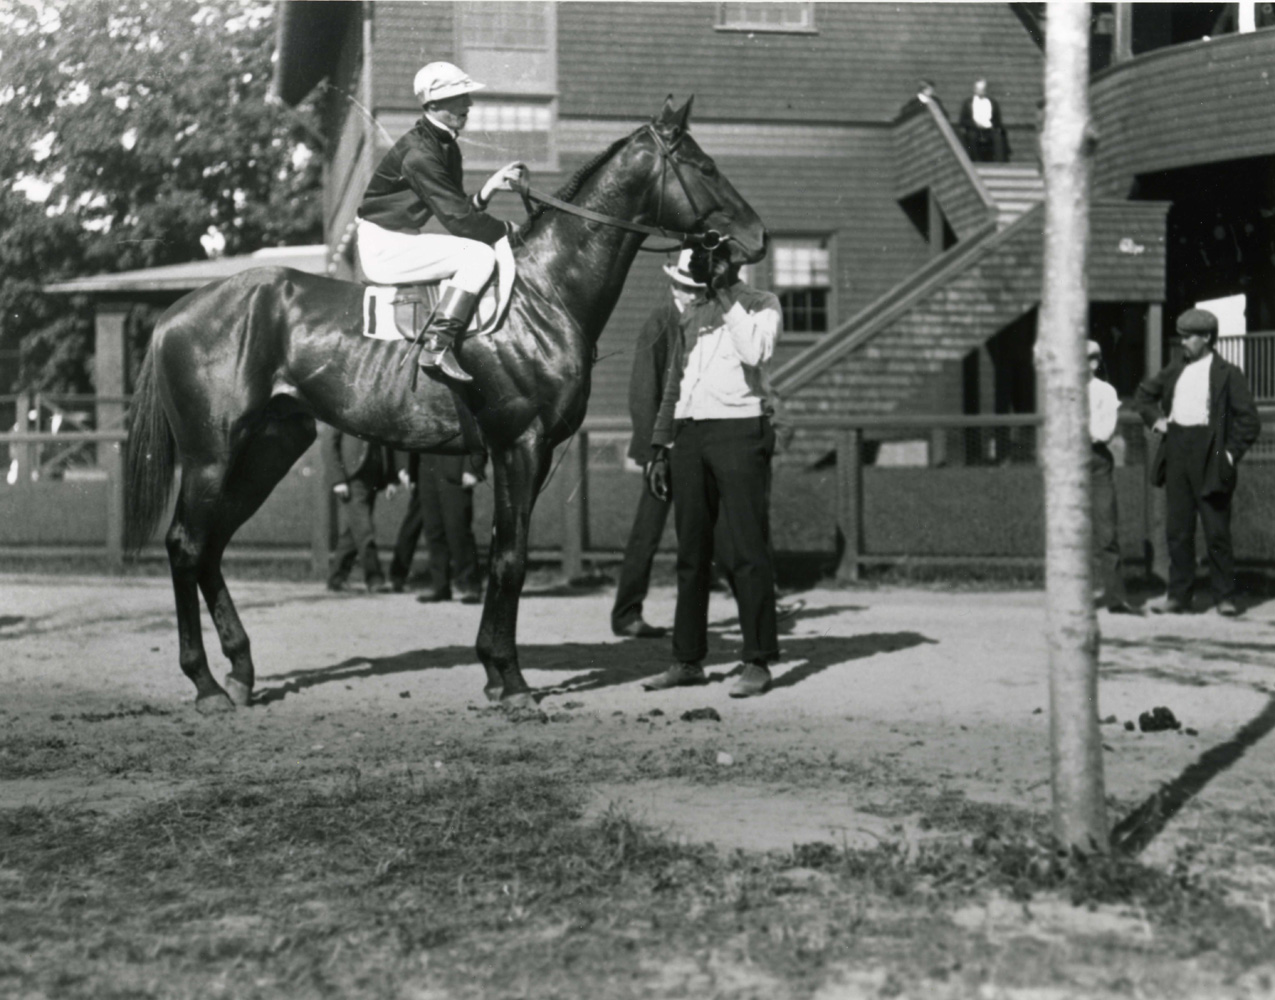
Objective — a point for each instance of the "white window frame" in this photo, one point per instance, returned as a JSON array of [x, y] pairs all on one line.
[[829, 243], [806, 28]]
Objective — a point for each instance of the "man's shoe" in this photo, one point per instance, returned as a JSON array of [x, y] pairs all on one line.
[[398, 586], [753, 681], [434, 596], [378, 587], [1123, 608], [1227, 608], [471, 597], [1171, 606], [639, 629], [336, 586], [786, 609], [678, 675]]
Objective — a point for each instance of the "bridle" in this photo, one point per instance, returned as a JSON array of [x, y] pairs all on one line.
[[710, 239]]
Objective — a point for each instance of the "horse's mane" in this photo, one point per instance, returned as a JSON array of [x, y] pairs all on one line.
[[572, 188]]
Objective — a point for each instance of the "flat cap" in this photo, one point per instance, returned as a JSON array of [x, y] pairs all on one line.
[[1198, 321]]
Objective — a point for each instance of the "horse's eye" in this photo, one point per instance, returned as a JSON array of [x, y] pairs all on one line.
[[710, 170]]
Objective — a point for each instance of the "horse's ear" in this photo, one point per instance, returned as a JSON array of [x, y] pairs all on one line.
[[667, 114], [682, 118]]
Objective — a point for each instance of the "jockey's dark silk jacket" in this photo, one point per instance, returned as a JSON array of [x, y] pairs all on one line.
[[421, 177]]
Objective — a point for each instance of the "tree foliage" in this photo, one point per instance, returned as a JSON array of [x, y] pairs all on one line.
[[143, 129]]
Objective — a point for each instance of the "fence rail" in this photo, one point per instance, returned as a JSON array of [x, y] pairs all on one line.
[[866, 490], [1255, 354]]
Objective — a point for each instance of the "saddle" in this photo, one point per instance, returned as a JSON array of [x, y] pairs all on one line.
[[397, 312]]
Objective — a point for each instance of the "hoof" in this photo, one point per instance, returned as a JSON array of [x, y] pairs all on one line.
[[239, 692], [214, 704], [522, 701], [494, 692]]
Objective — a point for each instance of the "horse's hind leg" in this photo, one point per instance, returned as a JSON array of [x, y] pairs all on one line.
[[187, 543], [263, 461], [214, 501]]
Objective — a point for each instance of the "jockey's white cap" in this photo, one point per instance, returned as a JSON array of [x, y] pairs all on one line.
[[680, 270], [438, 81]]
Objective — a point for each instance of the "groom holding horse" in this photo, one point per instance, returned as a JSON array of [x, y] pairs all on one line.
[[421, 178]]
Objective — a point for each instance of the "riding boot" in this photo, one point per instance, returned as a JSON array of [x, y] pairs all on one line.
[[450, 320]]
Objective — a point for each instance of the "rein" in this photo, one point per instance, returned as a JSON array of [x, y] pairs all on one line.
[[709, 239]]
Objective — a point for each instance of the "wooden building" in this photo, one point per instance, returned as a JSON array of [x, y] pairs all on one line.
[[795, 101], [910, 276]]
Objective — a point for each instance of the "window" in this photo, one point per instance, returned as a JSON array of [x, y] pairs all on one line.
[[513, 49], [766, 16], [500, 131], [505, 25], [802, 278]]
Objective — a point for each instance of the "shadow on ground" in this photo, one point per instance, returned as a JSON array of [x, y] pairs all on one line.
[[1136, 831], [597, 665]]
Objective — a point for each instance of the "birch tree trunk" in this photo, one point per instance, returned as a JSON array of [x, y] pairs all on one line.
[[1079, 812]]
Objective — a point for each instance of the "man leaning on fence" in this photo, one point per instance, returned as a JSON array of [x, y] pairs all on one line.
[[1202, 406]]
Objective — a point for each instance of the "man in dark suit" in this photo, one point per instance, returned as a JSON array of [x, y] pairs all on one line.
[[358, 470], [981, 127], [442, 504], [1203, 408], [646, 390]]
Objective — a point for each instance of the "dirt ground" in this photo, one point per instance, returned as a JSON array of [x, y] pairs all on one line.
[[882, 693]]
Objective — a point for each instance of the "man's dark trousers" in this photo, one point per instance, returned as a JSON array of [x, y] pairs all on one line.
[[447, 516], [1106, 526], [358, 536], [720, 470], [1186, 454], [639, 554]]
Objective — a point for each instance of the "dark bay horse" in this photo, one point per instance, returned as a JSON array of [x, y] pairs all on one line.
[[239, 370]]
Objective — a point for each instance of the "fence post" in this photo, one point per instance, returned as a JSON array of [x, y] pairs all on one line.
[[26, 454], [850, 501], [321, 513], [113, 462], [575, 510]]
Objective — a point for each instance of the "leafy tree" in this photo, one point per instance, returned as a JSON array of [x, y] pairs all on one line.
[[136, 133]]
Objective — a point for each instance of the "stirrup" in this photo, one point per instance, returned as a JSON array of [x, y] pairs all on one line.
[[444, 361]]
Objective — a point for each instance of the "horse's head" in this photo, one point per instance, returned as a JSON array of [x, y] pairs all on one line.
[[694, 196]]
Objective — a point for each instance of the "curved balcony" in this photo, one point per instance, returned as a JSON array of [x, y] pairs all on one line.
[[1202, 102]]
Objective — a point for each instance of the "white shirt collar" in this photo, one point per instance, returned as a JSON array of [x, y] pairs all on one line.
[[437, 124]]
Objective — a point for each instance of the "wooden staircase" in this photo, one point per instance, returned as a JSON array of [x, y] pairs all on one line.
[[1014, 187]]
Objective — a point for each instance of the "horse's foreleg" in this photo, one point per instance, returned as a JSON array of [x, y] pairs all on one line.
[[518, 475], [264, 460]]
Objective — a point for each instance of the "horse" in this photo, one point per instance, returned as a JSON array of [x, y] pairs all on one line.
[[238, 371]]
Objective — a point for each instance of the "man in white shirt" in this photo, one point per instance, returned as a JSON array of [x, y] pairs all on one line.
[[1203, 408], [1104, 415], [713, 444], [981, 127]]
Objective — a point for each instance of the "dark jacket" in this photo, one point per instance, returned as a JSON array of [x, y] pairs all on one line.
[[347, 457], [650, 373], [422, 177], [1233, 419]]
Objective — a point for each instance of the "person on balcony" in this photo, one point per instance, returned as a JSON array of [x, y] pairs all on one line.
[[1202, 406], [982, 130], [420, 179]]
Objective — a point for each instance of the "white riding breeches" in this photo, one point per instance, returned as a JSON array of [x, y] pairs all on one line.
[[390, 258]]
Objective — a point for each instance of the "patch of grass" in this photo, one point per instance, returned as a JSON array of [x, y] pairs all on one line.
[[491, 885]]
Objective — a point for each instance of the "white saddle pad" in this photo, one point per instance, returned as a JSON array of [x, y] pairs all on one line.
[[378, 302]]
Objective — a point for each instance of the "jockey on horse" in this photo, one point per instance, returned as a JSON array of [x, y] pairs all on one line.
[[421, 178]]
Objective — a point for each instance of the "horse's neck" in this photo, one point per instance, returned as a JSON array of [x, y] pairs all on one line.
[[587, 262]]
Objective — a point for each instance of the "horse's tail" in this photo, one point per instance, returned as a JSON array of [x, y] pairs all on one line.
[[152, 458]]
